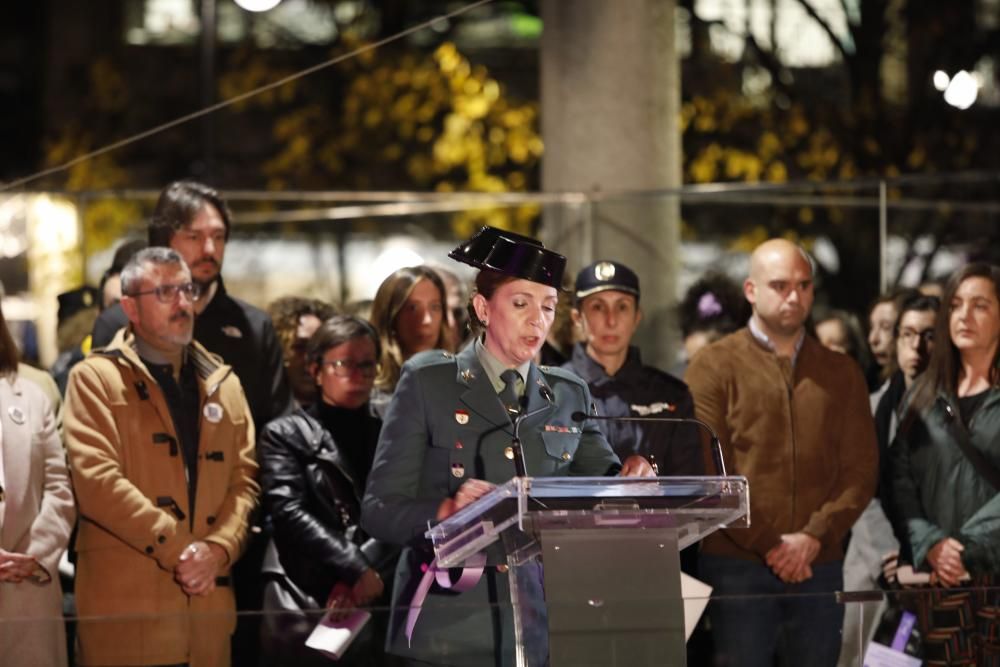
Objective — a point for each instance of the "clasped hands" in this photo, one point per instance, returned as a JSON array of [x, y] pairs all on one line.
[[200, 564], [16, 567], [946, 559], [791, 559]]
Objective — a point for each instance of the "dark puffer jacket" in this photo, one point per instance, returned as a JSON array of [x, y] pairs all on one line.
[[937, 492], [314, 498]]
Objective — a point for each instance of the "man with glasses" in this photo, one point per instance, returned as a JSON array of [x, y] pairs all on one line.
[[161, 449], [193, 219]]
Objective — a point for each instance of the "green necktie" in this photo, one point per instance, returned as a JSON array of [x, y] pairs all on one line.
[[508, 395]]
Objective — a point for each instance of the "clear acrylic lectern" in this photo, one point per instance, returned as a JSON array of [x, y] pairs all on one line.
[[593, 561]]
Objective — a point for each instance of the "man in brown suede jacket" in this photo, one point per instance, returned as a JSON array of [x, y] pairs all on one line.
[[793, 417]]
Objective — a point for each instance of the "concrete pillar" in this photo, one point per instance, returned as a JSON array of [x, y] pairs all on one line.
[[610, 104]]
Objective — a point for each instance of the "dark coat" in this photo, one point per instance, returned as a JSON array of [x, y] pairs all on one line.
[[314, 498], [313, 494], [938, 492], [445, 425]]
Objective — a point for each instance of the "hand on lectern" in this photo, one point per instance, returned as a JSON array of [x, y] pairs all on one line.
[[636, 466], [470, 491]]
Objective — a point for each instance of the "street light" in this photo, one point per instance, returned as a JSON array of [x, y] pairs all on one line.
[[257, 5], [962, 90]]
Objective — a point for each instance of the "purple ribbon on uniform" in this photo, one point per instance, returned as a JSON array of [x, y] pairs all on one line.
[[472, 570], [903, 632]]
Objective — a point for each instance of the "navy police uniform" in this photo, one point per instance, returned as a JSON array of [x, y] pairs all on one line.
[[637, 391], [643, 391]]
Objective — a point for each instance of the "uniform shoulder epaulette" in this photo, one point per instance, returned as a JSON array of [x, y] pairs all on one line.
[[431, 358], [560, 373]]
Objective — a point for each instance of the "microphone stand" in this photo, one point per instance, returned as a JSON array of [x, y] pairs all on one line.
[[720, 462], [520, 469]]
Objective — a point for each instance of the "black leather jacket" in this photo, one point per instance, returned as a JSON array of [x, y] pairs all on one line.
[[314, 499]]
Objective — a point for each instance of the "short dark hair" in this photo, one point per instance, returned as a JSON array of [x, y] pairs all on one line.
[[918, 302], [338, 330], [286, 311], [178, 205], [715, 302]]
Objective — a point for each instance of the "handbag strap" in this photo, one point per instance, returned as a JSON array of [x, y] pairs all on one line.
[[986, 469]]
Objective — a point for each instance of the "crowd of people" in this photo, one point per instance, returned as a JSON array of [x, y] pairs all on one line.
[[201, 456]]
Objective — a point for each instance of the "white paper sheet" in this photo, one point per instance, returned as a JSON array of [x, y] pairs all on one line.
[[334, 637], [695, 594]]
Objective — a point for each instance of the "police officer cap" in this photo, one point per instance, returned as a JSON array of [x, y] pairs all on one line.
[[513, 255], [606, 275]]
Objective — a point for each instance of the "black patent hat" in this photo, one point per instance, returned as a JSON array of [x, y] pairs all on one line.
[[513, 255]]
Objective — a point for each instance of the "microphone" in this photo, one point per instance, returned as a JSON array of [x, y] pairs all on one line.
[[720, 462], [519, 462]]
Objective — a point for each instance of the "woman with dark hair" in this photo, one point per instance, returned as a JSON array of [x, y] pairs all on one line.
[[711, 308], [840, 331], [944, 475], [314, 464], [409, 315], [295, 320], [36, 517], [447, 441], [882, 316]]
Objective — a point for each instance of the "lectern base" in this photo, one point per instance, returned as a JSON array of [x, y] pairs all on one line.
[[613, 597]]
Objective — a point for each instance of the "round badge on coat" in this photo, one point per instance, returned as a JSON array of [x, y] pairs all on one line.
[[213, 412], [462, 417], [16, 414]]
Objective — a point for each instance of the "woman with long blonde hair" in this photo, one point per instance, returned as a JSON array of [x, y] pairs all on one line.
[[409, 315]]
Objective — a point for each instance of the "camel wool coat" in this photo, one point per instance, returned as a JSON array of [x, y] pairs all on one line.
[[135, 518]]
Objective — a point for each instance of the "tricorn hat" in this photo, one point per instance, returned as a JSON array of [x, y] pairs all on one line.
[[513, 255]]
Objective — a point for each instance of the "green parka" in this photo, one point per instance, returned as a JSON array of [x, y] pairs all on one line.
[[937, 492]]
